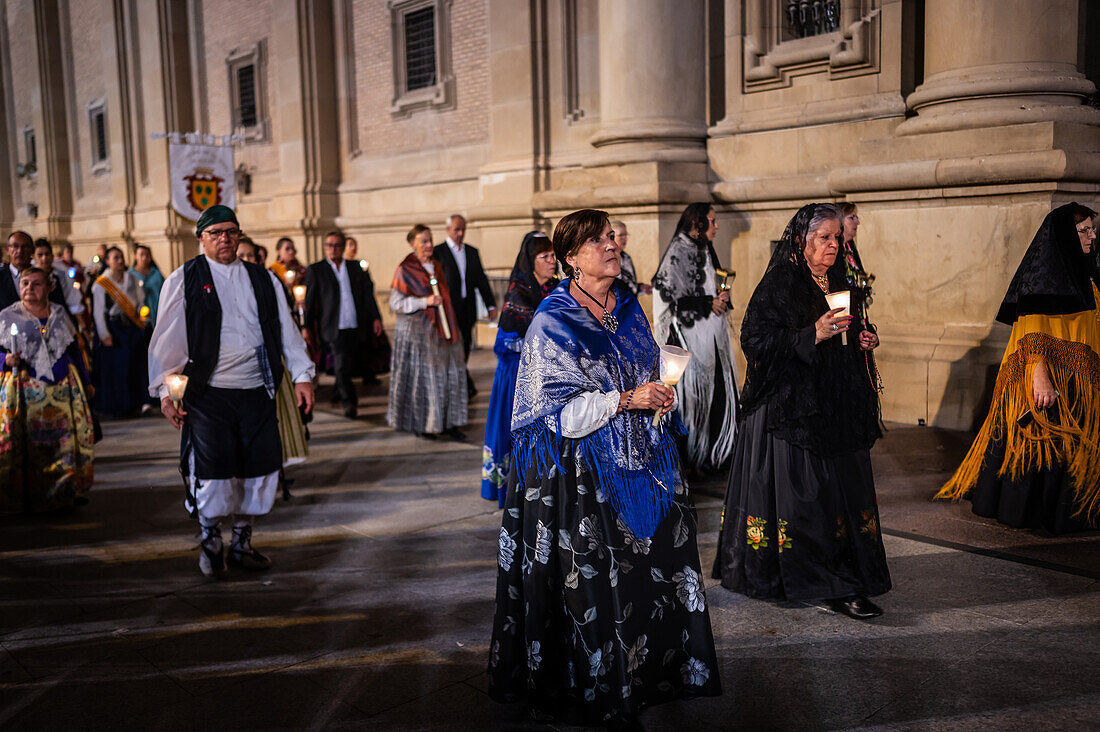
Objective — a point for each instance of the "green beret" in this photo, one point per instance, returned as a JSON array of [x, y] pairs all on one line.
[[217, 214]]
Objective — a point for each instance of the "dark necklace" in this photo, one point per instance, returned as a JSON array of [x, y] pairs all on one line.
[[609, 321]]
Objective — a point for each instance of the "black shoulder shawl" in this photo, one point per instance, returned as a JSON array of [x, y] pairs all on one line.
[[819, 396]]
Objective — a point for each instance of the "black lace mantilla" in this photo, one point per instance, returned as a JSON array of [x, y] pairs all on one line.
[[1053, 277], [819, 396]]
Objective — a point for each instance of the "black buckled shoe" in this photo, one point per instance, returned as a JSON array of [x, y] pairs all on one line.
[[856, 607], [212, 556]]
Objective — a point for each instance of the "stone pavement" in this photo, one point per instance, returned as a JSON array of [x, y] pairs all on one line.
[[377, 612]]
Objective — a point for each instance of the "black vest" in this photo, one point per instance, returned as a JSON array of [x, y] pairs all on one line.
[[203, 313]]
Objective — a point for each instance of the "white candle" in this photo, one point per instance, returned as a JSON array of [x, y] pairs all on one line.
[[299, 293], [842, 299], [363, 265], [177, 385], [439, 308], [673, 363]]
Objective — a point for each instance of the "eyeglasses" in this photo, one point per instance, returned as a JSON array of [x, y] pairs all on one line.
[[1087, 230], [223, 233]]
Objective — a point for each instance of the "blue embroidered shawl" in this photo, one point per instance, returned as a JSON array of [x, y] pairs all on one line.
[[568, 352]]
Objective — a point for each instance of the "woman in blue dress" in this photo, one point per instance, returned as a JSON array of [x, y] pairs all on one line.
[[600, 605], [151, 280], [533, 277]]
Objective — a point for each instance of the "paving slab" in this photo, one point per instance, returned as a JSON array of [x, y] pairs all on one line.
[[378, 609]]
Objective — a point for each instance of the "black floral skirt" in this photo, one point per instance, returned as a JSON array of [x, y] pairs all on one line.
[[797, 526], [593, 623]]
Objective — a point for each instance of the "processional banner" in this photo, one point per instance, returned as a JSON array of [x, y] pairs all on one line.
[[202, 176]]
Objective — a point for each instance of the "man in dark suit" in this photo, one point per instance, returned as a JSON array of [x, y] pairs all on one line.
[[465, 276], [341, 310], [20, 251]]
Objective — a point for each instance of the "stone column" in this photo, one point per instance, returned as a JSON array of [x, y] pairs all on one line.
[[304, 70], [991, 63], [652, 81], [55, 207]]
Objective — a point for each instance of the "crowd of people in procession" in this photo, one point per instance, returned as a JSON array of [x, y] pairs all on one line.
[[589, 447]]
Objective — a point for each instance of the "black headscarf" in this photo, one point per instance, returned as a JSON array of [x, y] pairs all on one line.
[[1053, 277], [819, 396], [524, 292]]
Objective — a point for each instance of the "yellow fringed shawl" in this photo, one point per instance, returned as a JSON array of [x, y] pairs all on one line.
[[1068, 345]]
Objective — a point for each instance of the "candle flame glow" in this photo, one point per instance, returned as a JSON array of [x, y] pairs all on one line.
[[177, 385]]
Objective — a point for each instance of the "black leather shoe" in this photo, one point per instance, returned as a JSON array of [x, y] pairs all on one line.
[[427, 435], [249, 559], [351, 412], [856, 607], [455, 434]]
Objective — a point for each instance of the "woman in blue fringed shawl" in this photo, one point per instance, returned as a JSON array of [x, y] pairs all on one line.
[[600, 609], [532, 279]]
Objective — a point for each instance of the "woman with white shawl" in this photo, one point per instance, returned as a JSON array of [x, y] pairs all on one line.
[[46, 435], [689, 311]]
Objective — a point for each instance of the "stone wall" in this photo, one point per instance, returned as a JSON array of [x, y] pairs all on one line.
[[954, 126]]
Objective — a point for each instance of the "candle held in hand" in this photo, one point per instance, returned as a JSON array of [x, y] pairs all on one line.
[[674, 361], [842, 299], [177, 385], [442, 312]]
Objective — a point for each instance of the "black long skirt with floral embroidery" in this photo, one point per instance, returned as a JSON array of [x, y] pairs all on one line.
[[797, 526], [593, 623]]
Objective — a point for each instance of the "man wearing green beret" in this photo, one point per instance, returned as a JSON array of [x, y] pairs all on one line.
[[225, 325]]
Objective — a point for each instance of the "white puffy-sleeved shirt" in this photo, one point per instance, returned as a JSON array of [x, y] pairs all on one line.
[[237, 366], [587, 412]]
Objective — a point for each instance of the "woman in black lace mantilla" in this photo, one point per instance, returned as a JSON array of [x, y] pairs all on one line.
[[801, 518]]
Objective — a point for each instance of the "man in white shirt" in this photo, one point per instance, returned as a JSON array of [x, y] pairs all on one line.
[[466, 278], [340, 309], [225, 324]]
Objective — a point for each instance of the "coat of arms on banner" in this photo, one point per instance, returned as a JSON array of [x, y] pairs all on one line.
[[201, 176], [205, 189]]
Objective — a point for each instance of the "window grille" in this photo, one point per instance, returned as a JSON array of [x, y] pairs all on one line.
[[246, 96], [30, 147], [420, 62], [99, 136], [805, 18]]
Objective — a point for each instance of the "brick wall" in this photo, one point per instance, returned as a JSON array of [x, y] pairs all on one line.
[[230, 24], [468, 123], [24, 73], [90, 31]]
